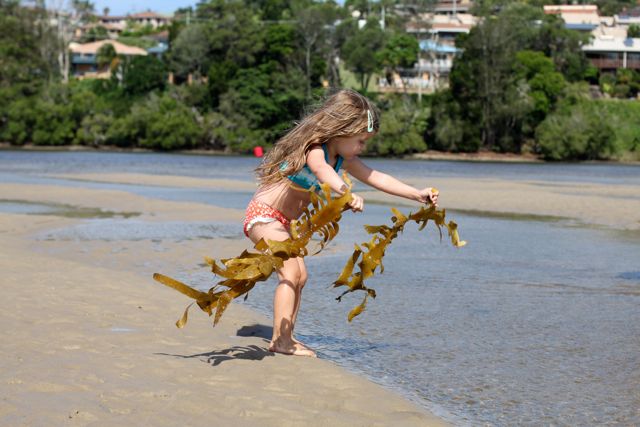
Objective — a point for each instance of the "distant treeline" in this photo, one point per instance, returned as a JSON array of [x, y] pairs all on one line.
[[244, 71]]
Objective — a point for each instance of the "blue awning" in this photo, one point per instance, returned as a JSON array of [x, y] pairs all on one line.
[[580, 27], [430, 45]]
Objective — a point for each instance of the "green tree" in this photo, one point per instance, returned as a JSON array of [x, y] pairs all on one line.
[[21, 63], [106, 55], [402, 133], [94, 129], [157, 122], [633, 31], [506, 88], [190, 51], [358, 52], [544, 83], [563, 46], [400, 51], [268, 96], [581, 133], [95, 34], [613, 7], [143, 74], [312, 22]]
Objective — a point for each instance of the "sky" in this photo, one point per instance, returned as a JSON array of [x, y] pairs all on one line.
[[123, 7]]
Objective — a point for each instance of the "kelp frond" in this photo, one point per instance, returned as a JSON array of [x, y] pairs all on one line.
[[383, 235], [243, 272]]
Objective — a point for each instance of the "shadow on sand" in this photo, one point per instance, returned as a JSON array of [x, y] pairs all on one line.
[[249, 352]]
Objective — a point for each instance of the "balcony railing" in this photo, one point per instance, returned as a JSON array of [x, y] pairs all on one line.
[[438, 65], [602, 63], [606, 63], [633, 64]]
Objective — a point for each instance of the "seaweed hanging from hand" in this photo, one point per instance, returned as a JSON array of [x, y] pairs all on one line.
[[243, 272], [374, 250]]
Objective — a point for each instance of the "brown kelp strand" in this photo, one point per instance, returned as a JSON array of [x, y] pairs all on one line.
[[368, 256], [242, 273]]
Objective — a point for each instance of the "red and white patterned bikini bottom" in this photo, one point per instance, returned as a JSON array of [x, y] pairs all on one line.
[[259, 212]]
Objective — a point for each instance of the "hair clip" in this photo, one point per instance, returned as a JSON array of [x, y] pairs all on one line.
[[369, 121]]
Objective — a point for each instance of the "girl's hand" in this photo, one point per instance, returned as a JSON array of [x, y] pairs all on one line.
[[429, 195], [357, 203]]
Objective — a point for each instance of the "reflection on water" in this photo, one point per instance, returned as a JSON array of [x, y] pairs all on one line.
[[532, 323], [58, 209], [109, 230]]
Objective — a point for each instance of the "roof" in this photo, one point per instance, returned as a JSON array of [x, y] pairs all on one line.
[[612, 44], [93, 47], [554, 9], [458, 23], [106, 26], [576, 17], [110, 18], [615, 31]]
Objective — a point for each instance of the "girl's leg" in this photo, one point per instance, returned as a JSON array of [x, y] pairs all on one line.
[[303, 281], [286, 300]]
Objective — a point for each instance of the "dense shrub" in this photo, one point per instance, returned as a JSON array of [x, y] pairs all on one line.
[[94, 129], [221, 133], [20, 118], [401, 130], [581, 134], [54, 124], [158, 122]]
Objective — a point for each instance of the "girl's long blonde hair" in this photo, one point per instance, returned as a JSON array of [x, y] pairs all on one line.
[[345, 113]]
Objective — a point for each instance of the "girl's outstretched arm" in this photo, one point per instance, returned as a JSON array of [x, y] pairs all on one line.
[[387, 183]]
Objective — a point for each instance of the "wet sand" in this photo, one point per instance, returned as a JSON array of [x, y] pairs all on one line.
[[88, 337]]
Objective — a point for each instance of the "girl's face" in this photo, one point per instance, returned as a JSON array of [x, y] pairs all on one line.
[[351, 146]]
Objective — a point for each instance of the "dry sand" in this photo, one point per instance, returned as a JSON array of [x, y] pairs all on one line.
[[88, 338]]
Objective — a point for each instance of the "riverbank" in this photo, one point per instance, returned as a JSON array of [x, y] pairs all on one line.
[[88, 337], [481, 156], [588, 204]]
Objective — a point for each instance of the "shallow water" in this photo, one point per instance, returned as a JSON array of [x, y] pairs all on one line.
[[533, 323]]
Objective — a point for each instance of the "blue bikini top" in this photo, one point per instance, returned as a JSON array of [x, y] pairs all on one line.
[[305, 178]]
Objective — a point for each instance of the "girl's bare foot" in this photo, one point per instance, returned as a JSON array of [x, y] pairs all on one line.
[[291, 348]]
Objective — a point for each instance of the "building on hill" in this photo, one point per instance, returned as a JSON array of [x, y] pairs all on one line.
[[628, 17], [582, 17], [609, 48], [452, 7], [436, 34], [84, 57], [112, 31], [609, 53], [153, 19], [142, 19]]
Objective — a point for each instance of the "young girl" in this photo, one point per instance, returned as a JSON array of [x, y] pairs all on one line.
[[313, 152]]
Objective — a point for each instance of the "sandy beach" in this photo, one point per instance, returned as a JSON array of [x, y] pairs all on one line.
[[88, 337]]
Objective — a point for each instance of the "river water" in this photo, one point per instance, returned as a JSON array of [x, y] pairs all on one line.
[[534, 322]]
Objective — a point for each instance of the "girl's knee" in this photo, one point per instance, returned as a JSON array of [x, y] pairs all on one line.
[[303, 279], [294, 277]]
